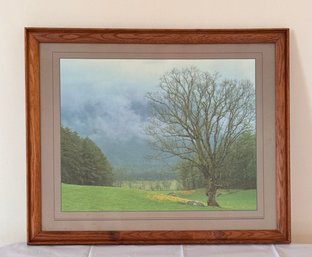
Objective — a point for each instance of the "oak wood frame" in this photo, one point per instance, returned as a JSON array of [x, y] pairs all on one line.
[[35, 36]]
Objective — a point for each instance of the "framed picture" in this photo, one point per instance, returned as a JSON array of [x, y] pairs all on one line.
[[157, 136]]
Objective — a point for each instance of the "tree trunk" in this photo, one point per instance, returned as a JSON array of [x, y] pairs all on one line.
[[211, 193]]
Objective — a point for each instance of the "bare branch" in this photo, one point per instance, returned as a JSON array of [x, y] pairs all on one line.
[[196, 116]]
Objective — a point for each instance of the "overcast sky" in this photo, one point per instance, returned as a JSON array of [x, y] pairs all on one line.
[[107, 96]]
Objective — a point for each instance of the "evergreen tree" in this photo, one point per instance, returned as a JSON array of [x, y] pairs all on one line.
[[241, 163], [70, 152], [82, 161]]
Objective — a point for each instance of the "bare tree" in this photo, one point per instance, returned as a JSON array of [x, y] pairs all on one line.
[[197, 116]]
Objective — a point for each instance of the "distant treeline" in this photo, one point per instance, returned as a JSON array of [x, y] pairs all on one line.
[[238, 169], [82, 161], [143, 173]]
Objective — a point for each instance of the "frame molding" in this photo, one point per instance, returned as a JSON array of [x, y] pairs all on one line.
[[35, 36]]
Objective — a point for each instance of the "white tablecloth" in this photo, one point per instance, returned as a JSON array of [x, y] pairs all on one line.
[[292, 250]]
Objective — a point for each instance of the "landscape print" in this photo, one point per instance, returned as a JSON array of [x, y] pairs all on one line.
[[158, 135]]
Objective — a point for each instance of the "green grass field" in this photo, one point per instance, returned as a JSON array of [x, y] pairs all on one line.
[[101, 198]]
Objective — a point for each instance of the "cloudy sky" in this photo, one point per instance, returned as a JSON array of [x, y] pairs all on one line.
[[105, 98]]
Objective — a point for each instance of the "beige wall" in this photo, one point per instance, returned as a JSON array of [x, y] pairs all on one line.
[[16, 14]]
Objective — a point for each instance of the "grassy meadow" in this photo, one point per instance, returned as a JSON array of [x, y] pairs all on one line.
[[104, 198]]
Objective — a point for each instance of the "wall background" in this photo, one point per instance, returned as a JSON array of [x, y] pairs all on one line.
[[17, 14]]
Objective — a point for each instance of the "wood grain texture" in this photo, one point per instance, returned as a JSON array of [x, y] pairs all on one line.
[[282, 134], [33, 136], [35, 36], [143, 36], [159, 237]]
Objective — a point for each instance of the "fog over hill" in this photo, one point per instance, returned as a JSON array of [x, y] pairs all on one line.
[[105, 100]]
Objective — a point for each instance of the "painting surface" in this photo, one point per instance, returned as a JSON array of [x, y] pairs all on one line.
[[158, 135]]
